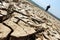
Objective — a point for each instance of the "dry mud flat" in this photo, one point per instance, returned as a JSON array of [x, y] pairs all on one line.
[[22, 20]]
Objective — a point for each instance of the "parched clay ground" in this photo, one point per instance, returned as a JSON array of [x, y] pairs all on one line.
[[22, 20]]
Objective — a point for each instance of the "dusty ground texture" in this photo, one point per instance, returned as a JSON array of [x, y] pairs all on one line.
[[22, 20]]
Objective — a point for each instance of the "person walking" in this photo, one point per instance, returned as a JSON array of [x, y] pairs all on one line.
[[47, 8]]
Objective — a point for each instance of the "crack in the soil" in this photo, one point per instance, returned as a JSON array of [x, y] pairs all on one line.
[[9, 35]]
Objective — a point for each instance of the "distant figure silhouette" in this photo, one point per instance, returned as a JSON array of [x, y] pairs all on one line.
[[47, 8]]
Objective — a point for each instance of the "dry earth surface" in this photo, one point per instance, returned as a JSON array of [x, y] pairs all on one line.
[[22, 20]]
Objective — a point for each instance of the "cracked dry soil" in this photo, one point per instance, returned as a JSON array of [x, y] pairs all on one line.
[[22, 20]]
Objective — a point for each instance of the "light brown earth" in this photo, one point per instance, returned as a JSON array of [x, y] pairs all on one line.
[[22, 20]]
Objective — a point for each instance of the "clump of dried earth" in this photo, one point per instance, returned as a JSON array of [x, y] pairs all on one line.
[[22, 20]]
